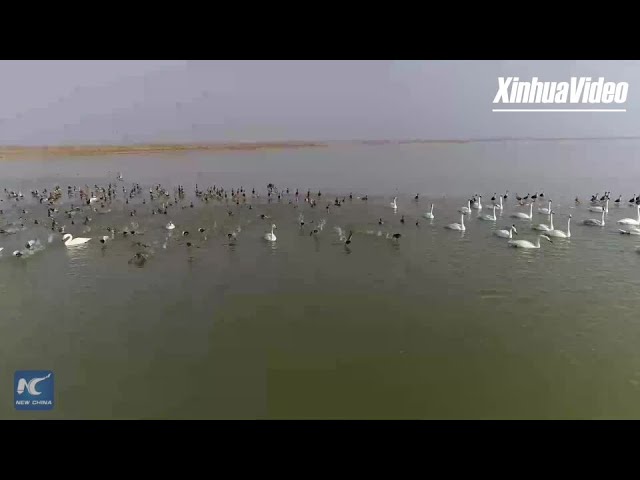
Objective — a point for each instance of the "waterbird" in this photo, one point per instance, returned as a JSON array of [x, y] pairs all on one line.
[[429, 214], [559, 233], [457, 226], [527, 243], [466, 209], [631, 231], [69, 241], [506, 233], [545, 211], [524, 215], [491, 218], [270, 236], [594, 222], [544, 227], [600, 208], [631, 221]]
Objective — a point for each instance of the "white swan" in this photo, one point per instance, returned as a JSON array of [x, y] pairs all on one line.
[[478, 205], [506, 233], [524, 215], [499, 206], [69, 241], [601, 209], [560, 233], [270, 235], [170, 226], [457, 226], [545, 211], [466, 209], [630, 221], [429, 214], [543, 227], [595, 223], [527, 243], [491, 218], [394, 204]]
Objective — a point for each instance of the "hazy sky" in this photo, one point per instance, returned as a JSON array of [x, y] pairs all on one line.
[[61, 102]]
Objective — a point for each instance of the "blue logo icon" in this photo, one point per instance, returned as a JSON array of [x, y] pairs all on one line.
[[33, 389]]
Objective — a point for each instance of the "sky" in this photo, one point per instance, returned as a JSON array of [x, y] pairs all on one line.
[[134, 101]]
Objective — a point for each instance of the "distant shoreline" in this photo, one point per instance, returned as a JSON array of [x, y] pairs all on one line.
[[92, 150], [15, 151]]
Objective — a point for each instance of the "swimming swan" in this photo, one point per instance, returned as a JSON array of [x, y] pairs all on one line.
[[506, 233], [429, 214], [600, 209], [466, 209], [270, 235], [560, 233], [69, 241], [457, 226], [595, 223], [524, 215], [543, 227], [491, 218], [545, 211], [630, 221], [527, 243]]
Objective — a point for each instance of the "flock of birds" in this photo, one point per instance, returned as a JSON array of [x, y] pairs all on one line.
[[598, 204], [103, 200]]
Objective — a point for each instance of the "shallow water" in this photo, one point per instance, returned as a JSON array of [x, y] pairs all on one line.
[[439, 324]]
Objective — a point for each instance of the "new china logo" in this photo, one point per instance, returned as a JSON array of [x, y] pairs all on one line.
[[33, 390], [578, 91]]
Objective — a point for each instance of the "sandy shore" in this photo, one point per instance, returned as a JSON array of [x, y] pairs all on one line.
[[91, 150]]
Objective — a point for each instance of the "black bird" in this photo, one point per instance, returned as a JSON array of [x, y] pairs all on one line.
[[402, 220], [201, 230], [349, 238], [396, 235], [380, 222], [185, 233], [416, 197], [493, 199]]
